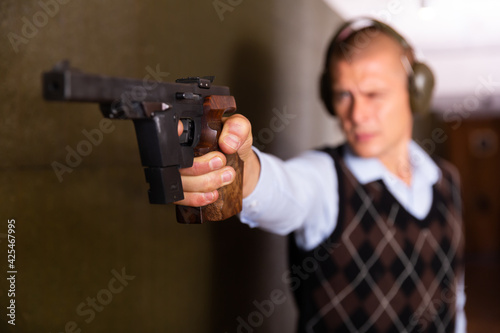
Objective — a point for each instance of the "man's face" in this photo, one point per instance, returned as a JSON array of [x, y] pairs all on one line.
[[370, 97]]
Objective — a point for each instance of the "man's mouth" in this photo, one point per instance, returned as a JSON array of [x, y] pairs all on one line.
[[364, 136]]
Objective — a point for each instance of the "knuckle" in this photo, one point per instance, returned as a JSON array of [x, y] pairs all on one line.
[[208, 182], [200, 200], [198, 167]]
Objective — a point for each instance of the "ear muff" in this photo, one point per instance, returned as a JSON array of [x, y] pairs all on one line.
[[420, 76], [421, 85]]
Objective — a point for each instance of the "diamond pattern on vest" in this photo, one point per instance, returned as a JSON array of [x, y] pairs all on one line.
[[389, 271]]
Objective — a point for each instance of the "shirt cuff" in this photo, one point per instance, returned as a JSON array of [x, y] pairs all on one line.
[[253, 203]]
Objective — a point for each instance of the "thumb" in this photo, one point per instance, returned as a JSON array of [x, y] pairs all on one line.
[[236, 136]]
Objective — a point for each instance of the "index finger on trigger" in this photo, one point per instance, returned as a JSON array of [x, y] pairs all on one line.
[[180, 128]]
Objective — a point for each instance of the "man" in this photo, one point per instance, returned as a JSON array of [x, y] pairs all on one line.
[[376, 225]]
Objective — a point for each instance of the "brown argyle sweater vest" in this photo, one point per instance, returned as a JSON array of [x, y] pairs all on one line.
[[382, 270]]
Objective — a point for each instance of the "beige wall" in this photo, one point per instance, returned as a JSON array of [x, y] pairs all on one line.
[[73, 237]]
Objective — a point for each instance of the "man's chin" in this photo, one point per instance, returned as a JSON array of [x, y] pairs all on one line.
[[364, 150]]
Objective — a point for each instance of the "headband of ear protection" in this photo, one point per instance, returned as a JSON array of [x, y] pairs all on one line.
[[420, 77]]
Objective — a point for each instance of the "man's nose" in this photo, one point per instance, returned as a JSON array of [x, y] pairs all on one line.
[[360, 110]]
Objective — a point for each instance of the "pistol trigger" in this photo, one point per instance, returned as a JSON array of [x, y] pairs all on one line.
[[187, 136]]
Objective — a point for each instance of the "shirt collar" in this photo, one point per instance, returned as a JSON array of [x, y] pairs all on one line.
[[367, 170]]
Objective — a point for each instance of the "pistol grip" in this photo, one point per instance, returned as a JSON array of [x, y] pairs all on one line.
[[230, 196], [228, 204]]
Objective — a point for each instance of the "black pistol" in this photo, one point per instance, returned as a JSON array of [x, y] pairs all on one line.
[[156, 108]]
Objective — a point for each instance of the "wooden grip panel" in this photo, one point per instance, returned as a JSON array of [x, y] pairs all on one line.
[[230, 196]]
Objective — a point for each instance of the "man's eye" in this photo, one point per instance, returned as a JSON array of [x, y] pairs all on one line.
[[341, 95], [374, 95]]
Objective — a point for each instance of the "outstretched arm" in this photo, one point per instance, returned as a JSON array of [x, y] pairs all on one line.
[[281, 197]]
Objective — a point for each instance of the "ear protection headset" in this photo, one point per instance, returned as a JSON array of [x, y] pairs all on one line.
[[420, 77]]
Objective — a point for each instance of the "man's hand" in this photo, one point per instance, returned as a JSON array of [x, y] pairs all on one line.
[[209, 172]]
